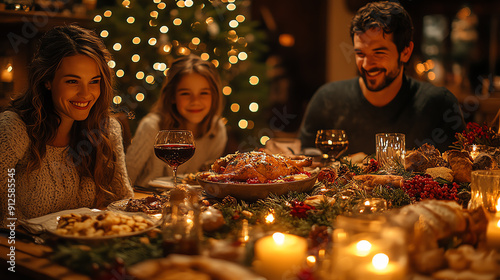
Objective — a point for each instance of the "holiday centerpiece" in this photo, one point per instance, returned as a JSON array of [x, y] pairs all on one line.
[[427, 198]]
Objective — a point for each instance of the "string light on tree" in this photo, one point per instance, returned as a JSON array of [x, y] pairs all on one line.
[[235, 107], [117, 46], [253, 107], [117, 99]]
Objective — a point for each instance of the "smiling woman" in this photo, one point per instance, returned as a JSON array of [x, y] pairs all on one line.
[[58, 135]]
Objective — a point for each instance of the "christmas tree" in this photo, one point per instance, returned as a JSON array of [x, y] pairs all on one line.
[[145, 36]]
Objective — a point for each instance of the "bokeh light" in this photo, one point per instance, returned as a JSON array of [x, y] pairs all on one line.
[[136, 58], [117, 46], [117, 99], [120, 73], [254, 80], [139, 97], [253, 107], [243, 124], [227, 90], [235, 107], [264, 139]]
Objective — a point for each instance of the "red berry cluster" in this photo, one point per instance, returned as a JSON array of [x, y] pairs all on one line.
[[476, 134], [373, 166], [424, 187], [299, 209]]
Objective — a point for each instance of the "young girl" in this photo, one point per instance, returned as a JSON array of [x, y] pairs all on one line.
[[60, 148], [191, 99]]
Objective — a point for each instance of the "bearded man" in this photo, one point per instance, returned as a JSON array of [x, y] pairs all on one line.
[[383, 99]]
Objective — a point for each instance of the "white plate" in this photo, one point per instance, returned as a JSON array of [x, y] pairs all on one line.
[[49, 221]]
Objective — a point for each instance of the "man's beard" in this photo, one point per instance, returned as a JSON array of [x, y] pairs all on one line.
[[385, 83]]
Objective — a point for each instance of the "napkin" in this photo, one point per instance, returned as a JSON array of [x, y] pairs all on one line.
[[49, 222], [284, 146]]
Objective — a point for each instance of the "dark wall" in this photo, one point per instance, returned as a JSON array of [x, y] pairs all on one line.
[[298, 70]]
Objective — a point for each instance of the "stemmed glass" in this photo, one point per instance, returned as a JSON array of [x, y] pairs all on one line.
[[332, 143], [174, 147]]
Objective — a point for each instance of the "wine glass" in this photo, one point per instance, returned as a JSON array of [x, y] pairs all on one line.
[[174, 147], [332, 143]]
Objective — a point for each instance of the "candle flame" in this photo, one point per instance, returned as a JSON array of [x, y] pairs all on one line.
[[498, 205], [474, 153], [311, 260], [321, 253], [279, 238], [380, 261], [367, 203], [270, 218], [363, 248]]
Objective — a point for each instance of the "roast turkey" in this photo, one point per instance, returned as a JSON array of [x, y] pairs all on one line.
[[258, 165]]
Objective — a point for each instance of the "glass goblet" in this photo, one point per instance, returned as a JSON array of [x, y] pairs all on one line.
[[332, 143], [174, 147]]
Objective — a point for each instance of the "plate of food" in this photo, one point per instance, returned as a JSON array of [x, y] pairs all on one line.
[[101, 225], [256, 175], [149, 205]]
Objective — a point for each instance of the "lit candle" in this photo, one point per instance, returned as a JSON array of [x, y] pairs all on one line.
[[493, 229], [280, 256], [381, 268], [7, 74]]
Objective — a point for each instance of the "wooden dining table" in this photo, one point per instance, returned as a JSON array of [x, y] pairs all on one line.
[[32, 260]]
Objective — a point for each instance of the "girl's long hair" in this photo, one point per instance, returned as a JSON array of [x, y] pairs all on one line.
[[165, 106], [90, 148]]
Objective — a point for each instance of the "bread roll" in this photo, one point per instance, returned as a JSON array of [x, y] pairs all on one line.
[[440, 172]]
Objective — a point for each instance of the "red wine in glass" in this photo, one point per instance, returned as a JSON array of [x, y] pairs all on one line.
[[174, 147], [174, 154], [333, 149], [332, 143]]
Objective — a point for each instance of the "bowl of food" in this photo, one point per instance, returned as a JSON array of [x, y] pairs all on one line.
[[255, 175], [252, 192]]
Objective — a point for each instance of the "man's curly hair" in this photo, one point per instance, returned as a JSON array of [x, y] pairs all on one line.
[[391, 17]]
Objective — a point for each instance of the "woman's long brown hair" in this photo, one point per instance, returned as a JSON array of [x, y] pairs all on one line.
[[165, 106], [90, 148]]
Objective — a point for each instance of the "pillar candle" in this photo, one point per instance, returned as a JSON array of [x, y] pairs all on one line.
[[280, 255], [493, 232]]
